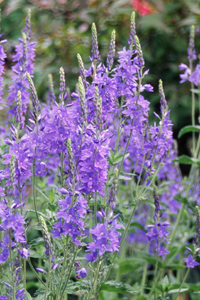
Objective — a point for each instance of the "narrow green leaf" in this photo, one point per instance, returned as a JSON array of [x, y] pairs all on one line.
[[196, 91], [187, 129], [122, 177], [178, 291], [186, 160], [117, 287], [27, 296]]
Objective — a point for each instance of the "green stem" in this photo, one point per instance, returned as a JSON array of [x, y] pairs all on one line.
[[63, 268], [156, 269], [24, 273], [184, 279], [34, 191], [95, 209], [144, 275], [32, 268], [11, 265], [68, 277], [48, 277], [92, 291], [123, 237], [193, 109], [62, 169]]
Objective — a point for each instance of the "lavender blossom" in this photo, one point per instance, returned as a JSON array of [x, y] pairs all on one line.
[[46, 236], [2, 61], [191, 48], [111, 53], [156, 202], [198, 222], [133, 32], [62, 85], [95, 48], [24, 58], [191, 263], [51, 95]]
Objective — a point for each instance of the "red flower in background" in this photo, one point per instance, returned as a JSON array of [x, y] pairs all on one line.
[[143, 7]]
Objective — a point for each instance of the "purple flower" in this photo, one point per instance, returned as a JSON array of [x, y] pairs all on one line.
[[191, 263], [162, 252], [82, 272], [40, 270]]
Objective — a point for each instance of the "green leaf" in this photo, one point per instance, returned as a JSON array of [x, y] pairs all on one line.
[[186, 160], [52, 207], [28, 296], [122, 177], [196, 91], [41, 293], [51, 196], [116, 158], [138, 225], [178, 291], [36, 242], [73, 287], [129, 265], [117, 287], [187, 129], [165, 282], [150, 259], [181, 199]]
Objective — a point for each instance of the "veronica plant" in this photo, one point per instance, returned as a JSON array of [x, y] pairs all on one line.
[[88, 175]]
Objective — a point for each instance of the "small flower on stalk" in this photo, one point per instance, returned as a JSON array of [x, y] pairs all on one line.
[[139, 52], [35, 100], [95, 48], [191, 263], [20, 117], [83, 102], [12, 171], [70, 154], [40, 270], [51, 95], [82, 272], [133, 32], [162, 251], [47, 237], [191, 49], [81, 69], [62, 96], [163, 102], [198, 222], [111, 53], [113, 190], [24, 47], [98, 106], [156, 202]]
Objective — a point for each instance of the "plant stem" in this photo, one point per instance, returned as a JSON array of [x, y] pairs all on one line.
[[68, 277], [34, 190], [11, 265], [32, 268], [184, 279], [144, 274], [48, 277], [63, 268], [193, 109], [24, 273], [156, 269], [62, 169]]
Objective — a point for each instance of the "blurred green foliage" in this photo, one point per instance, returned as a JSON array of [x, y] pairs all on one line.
[[62, 28]]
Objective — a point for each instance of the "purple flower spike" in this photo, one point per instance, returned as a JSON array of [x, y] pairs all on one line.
[[191, 263]]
